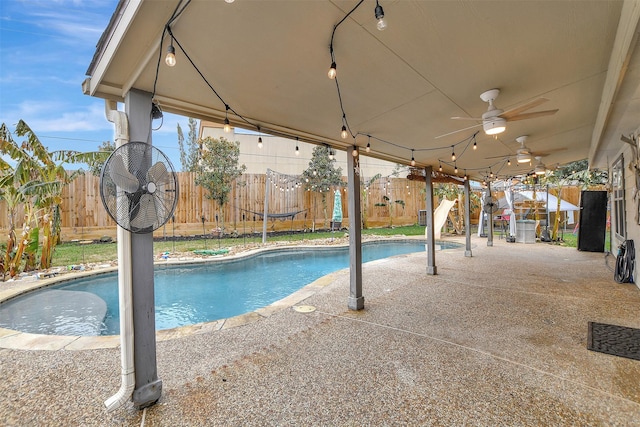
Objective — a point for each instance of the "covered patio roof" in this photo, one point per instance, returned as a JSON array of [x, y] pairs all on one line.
[[264, 64]]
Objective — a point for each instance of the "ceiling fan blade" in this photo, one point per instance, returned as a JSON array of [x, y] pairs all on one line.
[[157, 173], [531, 115], [459, 130], [524, 107], [547, 152], [466, 118], [147, 214], [121, 176]]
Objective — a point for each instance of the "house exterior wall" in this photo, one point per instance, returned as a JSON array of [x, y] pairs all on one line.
[[278, 153], [632, 231]]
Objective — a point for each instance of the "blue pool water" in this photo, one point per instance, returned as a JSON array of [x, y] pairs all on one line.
[[198, 293]]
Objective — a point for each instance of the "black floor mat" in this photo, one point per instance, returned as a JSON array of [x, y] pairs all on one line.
[[616, 340]]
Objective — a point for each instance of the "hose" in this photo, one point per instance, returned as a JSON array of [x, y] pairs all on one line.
[[625, 262]]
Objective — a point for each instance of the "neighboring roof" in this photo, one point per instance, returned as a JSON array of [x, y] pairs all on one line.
[[268, 62]]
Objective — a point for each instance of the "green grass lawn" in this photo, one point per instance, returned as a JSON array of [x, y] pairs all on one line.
[[74, 253]]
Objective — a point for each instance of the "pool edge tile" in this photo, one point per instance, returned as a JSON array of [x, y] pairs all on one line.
[[25, 341]]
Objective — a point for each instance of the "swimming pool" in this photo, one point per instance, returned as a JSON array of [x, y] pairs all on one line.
[[191, 293]]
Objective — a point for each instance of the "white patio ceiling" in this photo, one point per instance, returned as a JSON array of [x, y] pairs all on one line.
[[268, 61]]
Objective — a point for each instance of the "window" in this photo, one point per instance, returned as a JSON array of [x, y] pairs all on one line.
[[617, 187]]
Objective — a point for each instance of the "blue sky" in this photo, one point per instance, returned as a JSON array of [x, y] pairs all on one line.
[[45, 49]]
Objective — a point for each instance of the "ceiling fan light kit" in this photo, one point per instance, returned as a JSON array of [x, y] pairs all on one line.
[[491, 122], [494, 125], [523, 158]]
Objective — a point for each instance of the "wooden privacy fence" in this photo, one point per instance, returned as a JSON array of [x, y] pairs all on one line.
[[82, 210], [388, 201]]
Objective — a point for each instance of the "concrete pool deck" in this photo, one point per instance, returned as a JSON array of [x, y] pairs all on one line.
[[495, 339]]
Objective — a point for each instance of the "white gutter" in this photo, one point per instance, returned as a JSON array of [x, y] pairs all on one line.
[[121, 123]]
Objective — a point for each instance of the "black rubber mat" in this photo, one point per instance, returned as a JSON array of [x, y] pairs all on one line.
[[616, 340]]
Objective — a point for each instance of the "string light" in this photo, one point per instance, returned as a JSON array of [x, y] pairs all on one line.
[[332, 71], [379, 13], [297, 150], [368, 148], [354, 152], [508, 162], [455, 168], [475, 144], [170, 59], [344, 133], [413, 160], [439, 166], [259, 138], [226, 127], [490, 173], [453, 154], [465, 175]]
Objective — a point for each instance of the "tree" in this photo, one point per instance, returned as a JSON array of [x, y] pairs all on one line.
[[189, 151], [321, 175], [218, 169], [107, 147], [35, 180]]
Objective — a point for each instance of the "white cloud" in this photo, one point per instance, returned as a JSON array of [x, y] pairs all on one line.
[[56, 117]]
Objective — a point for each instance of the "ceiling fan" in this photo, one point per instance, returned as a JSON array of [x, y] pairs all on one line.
[[494, 120], [524, 153]]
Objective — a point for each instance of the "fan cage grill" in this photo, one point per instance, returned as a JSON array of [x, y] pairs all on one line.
[[138, 187]]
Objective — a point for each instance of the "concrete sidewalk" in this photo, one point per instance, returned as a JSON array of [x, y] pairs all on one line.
[[496, 339]]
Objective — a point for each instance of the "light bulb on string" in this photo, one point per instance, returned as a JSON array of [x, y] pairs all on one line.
[[475, 145], [170, 59], [413, 160], [332, 71], [381, 23], [368, 148], [354, 152], [508, 162], [439, 166], [226, 127], [343, 132], [455, 168], [490, 173], [465, 175], [453, 154]]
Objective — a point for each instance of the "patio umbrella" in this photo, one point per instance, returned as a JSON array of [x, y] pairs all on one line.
[[337, 209]]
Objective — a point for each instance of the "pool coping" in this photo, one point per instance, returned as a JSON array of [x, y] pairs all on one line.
[[17, 340]]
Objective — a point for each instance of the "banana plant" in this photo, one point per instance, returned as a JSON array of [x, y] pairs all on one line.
[[35, 180]]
